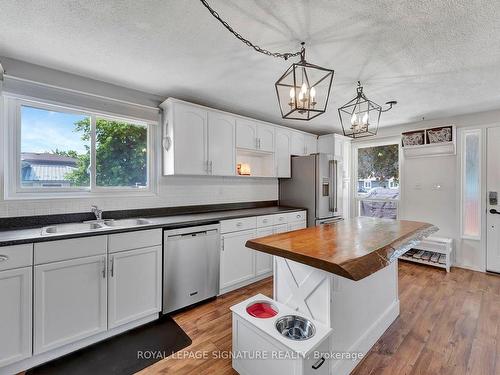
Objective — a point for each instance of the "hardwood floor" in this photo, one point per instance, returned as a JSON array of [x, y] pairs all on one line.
[[449, 324]]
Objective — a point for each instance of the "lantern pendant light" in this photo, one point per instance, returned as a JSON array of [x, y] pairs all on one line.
[[360, 117], [303, 90]]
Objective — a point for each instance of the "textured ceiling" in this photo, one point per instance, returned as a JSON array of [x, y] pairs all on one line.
[[436, 57]]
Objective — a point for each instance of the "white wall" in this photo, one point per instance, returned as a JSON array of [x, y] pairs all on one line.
[[422, 200], [172, 191]]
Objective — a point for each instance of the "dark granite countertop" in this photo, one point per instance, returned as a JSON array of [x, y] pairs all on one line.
[[33, 234]]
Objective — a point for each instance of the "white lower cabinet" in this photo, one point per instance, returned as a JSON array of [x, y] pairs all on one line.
[[237, 261], [134, 285], [15, 315], [296, 225], [263, 261], [70, 301]]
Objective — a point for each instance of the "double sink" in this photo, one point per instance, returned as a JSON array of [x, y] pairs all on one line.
[[91, 226]]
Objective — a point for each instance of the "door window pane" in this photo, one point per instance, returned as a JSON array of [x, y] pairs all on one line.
[[55, 149], [121, 154], [471, 180]]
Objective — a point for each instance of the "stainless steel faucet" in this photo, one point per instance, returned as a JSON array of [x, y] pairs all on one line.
[[96, 211]]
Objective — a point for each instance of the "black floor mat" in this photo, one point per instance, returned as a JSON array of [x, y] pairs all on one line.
[[122, 354]]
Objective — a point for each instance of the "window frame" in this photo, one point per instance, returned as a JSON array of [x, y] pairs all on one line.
[[356, 200], [12, 184]]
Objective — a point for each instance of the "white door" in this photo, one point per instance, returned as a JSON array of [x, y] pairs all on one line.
[[237, 260], [311, 142], [263, 261], [134, 280], [15, 315], [283, 140], [221, 144], [190, 140], [493, 187], [265, 136], [246, 134], [298, 144], [70, 301]]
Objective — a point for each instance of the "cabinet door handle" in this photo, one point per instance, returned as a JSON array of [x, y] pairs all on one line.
[[4, 258], [112, 267], [493, 211], [104, 267], [211, 167]]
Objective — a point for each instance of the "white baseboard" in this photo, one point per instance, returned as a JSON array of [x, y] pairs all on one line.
[[366, 341], [470, 267], [244, 283]]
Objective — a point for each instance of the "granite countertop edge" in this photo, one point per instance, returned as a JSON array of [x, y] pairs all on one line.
[[33, 235]]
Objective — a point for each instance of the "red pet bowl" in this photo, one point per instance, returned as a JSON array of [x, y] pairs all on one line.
[[262, 310]]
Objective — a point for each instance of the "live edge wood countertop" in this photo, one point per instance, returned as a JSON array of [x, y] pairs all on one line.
[[354, 248]]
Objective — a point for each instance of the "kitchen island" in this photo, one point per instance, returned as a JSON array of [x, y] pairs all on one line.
[[343, 275]]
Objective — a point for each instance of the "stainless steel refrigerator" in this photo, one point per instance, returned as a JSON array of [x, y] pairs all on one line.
[[315, 184]]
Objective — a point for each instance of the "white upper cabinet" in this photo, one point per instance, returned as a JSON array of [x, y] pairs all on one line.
[[333, 144], [298, 144], [265, 138], [186, 146], [311, 143], [253, 135], [283, 152], [246, 134], [221, 144], [201, 141]]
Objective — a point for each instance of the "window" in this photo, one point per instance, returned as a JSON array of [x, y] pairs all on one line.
[[377, 192], [67, 151], [471, 184]]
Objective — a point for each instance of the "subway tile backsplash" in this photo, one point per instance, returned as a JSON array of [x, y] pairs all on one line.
[[173, 191]]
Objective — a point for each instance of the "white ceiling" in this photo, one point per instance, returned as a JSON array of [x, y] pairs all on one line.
[[438, 58]]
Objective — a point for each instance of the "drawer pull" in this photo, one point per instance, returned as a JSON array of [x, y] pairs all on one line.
[[298, 216], [239, 224], [4, 258], [264, 221]]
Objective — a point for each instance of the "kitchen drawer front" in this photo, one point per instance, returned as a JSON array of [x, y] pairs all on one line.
[[280, 219], [235, 225], [296, 216], [265, 221], [55, 251], [16, 256], [134, 240]]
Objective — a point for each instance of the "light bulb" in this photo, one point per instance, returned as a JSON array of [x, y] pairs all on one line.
[[365, 119], [303, 89], [292, 93], [301, 95], [313, 93], [354, 119]]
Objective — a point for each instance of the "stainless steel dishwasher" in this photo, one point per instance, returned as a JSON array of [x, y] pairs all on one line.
[[191, 258]]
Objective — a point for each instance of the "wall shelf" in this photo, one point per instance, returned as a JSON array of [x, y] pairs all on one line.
[[428, 149]]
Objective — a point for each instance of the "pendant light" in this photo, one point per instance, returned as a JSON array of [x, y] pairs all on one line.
[[303, 90], [360, 116]]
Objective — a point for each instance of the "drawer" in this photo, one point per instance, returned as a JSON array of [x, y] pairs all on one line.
[[296, 216], [235, 225], [16, 256], [265, 221], [134, 240], [280, 219], [55, 251]]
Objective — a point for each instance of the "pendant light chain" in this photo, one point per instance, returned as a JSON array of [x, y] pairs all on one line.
[[285, 56]]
